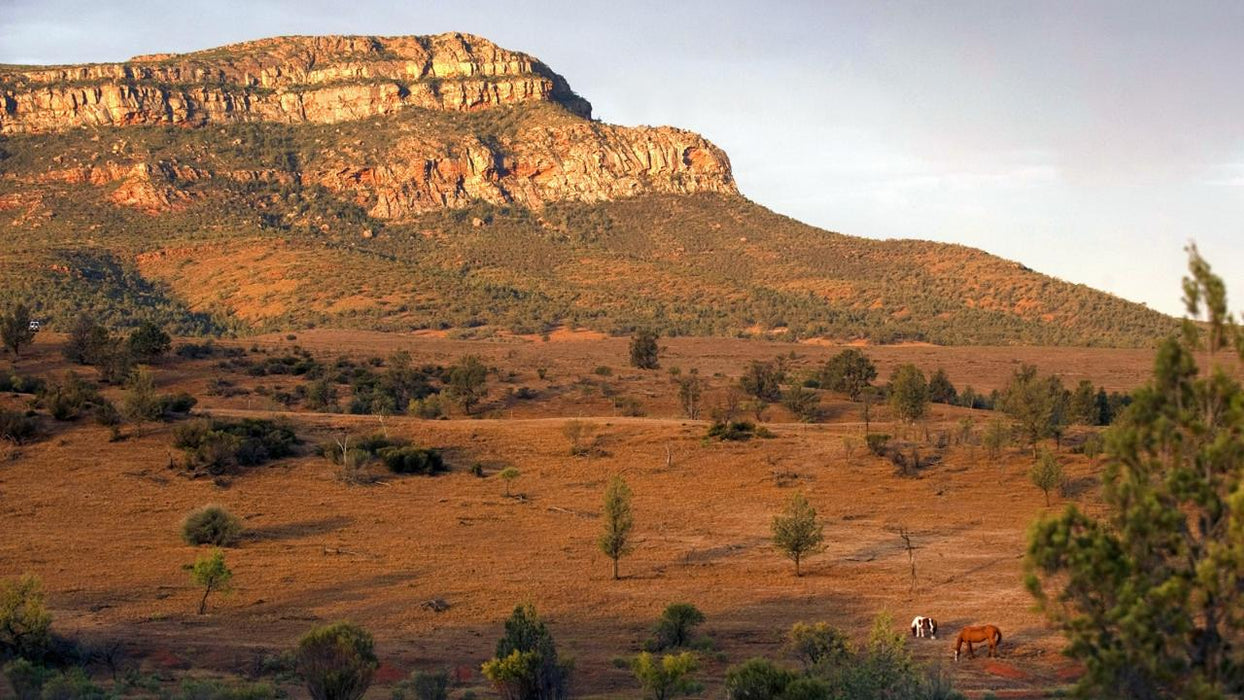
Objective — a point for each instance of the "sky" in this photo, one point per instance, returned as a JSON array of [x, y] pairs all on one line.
[[1089, 140]]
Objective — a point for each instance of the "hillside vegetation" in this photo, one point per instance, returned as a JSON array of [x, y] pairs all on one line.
[[519, 216]]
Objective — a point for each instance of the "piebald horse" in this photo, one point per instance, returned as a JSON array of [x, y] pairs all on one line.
[[977, 635], [923, 627]]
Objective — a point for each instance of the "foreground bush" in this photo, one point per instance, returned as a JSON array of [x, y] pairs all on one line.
[[218, 446], [525, 666], [676, 626], [423, 686], [17, 428], [24, 619], [211, 525], [337, 661]]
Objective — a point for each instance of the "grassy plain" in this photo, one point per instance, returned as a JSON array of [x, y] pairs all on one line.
[[98, 520]]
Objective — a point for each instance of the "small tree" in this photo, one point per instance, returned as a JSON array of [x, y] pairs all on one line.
[[996, 436], [468, 382], [797, 532], [690, 389], [615, 537], [1046, 473], [337, 661], [817, 643], [763, 380], [803, 403], [909, 393], [141, 402], [525, 665], [148, 342], [1083, 409], [666, 677], [848, 372], [210, 572], [15, 329], [940, 388], [508, 475], [24, 619], [1037, 405], [576, 431], [211, 525], [676, 625], [88, 343], [644, 350]]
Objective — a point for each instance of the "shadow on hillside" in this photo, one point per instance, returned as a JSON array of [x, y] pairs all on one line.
[[293, 531]]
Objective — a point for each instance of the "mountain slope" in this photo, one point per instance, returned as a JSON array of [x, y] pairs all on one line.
[[444, 182]]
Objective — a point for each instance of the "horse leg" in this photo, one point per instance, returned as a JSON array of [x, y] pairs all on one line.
[[971, 652]]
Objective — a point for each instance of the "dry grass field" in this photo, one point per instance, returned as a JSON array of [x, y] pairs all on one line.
[[98, 521]]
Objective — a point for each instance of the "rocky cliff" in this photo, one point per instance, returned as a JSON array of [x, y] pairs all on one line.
[[542, 146]]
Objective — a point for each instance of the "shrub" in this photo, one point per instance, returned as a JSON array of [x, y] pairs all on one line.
[[18, 384], [17, 428], [675, 626], [644, 353], [211, 525], [179, 403], [877, 443], [666, 677], [212, 689], [525, 665], [817, 643], [217, 446], [733, 430], [408, 459], [337, 661], [757, 679], [24, 619], [71, 685], [26, 678], [148, 342], [423, 686]]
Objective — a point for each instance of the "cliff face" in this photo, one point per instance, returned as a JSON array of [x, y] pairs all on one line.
[[550, 151], [290, 80]]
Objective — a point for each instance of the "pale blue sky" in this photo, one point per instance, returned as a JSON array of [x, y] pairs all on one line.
[[1088, 140]]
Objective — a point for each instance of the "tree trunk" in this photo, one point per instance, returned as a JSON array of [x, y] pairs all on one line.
[[203, 603], [615, 568], [797, 571]]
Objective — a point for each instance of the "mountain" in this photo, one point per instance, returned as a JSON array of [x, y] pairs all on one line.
[[445, 182]]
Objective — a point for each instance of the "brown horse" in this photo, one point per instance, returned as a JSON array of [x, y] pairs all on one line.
[[976, 635]]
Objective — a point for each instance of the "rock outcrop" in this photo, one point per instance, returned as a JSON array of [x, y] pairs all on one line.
[[291, 79], [551, 152]]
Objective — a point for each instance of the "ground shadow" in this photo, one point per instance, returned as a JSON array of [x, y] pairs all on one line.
[[293, 531]]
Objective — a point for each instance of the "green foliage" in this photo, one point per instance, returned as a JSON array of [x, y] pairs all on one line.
[[423, 686], [848, 372], [213, 689], [763, 380], [644, 351], [21, 384], [525, 665], [690, 390], [148, 342], [210, 572], [617, 523], [468, 382], [675, 627], [804, 403], [1038, 405], [508, 475], [817, 644], [17, 428], [24, 619], [211, 525], [337, 661], [1046, 473], [940, 388], [68, 400], [218, 446], [996, 436], [877, 443], [408, 459], [1151, 594], [88, 343], [73, 684], [666, 677], [797, 532], [15, 330], [141, 403], [757, 679], [735, 430], [26, 678], [909, 393]]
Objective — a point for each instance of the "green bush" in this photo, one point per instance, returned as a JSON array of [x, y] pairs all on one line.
[[757, 679], [213, 689], [218, 446], [17, 428], [211, 525], [408, 459], [877, 443], [26, 678], [423, 686], [337, 661], [24, 619], [676, 626], [736, 430]]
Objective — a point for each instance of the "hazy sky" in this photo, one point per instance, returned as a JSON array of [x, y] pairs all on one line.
[[1088, 140]]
